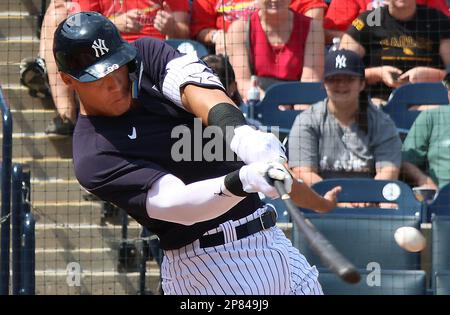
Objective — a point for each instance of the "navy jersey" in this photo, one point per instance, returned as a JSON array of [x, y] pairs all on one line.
[[119, 158]]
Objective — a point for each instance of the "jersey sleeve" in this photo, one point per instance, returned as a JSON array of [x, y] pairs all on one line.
[[89, 5], [203, 16], [123, 182], [340, 14], [303, 144], [416, 145], [170, 70], [359, 30], [386, 142], [303, 6]]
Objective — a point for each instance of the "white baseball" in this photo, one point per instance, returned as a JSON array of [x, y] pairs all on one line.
[[410, 239]]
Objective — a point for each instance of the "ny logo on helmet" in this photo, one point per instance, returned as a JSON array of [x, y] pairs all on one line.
[[99, 47], [341, 62]]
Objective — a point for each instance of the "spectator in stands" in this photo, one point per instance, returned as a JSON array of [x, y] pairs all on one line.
[[344, 135], [276, 44], [134, 18], [63, 97], [341, 13], [211, 18], [137, 18], [225, 72], [427, 147], [408, 46]]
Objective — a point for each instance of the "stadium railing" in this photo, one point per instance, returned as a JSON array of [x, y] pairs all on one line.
[[17, 221], [6, 195], [439, 213], [23, 236]]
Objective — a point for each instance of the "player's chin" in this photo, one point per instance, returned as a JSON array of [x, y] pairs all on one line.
[[119, 108]]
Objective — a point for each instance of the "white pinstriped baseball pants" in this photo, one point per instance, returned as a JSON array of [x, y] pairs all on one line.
[[261, 264]]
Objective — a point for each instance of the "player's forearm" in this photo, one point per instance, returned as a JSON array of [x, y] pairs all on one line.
[[308, 176], [170, 199], [303, 196]]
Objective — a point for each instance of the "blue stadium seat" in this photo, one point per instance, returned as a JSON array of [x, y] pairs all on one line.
[[188, 45], [392, 282], [366, 235], [439, 210], [289, 93], [442, 283], [413, 94]]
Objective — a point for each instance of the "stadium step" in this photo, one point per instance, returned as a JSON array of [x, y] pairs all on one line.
[[13, 23], [56, 190], [15, 48], [32, 120], [40, 145], [69, 212], [101, 259], [9, 72], [49, 167], [50, 282], [18, 98], [32, 7], [73, 236]]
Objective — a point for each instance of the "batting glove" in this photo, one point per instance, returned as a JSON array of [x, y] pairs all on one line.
[[255, 177], [252, 145]]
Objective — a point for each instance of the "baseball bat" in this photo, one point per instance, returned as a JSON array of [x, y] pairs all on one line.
[[329, 255]]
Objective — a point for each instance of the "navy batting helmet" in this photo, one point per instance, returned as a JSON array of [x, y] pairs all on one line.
[[88, 46]]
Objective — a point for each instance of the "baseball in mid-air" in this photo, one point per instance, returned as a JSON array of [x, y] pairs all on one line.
[[410, 239]]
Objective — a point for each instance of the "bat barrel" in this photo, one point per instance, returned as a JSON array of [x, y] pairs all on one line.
[[329, 255]]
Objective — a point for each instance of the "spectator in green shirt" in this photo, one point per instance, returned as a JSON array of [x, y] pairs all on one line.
[[427, 146]]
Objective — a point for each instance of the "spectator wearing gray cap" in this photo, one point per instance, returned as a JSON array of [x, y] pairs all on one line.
[[344, 135]]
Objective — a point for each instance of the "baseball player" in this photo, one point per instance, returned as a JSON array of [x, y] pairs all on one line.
[[217, 236]]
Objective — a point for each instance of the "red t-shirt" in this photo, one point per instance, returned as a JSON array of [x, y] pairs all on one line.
[[284, 62], [302, 6], [341, 13], [211, 14], [150, 7]]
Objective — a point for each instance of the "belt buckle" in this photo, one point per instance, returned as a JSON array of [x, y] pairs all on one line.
[[272, 213]]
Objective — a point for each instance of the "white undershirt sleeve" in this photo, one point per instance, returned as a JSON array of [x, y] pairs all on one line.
[[169, 199]]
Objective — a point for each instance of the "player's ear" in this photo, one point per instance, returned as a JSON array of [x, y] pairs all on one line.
[[66, 78]]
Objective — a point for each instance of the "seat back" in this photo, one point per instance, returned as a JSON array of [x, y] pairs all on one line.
[[391, 282], [366, 235], [408, 95], [440, 244], [289, 93], [187, 45], [442, 283]]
